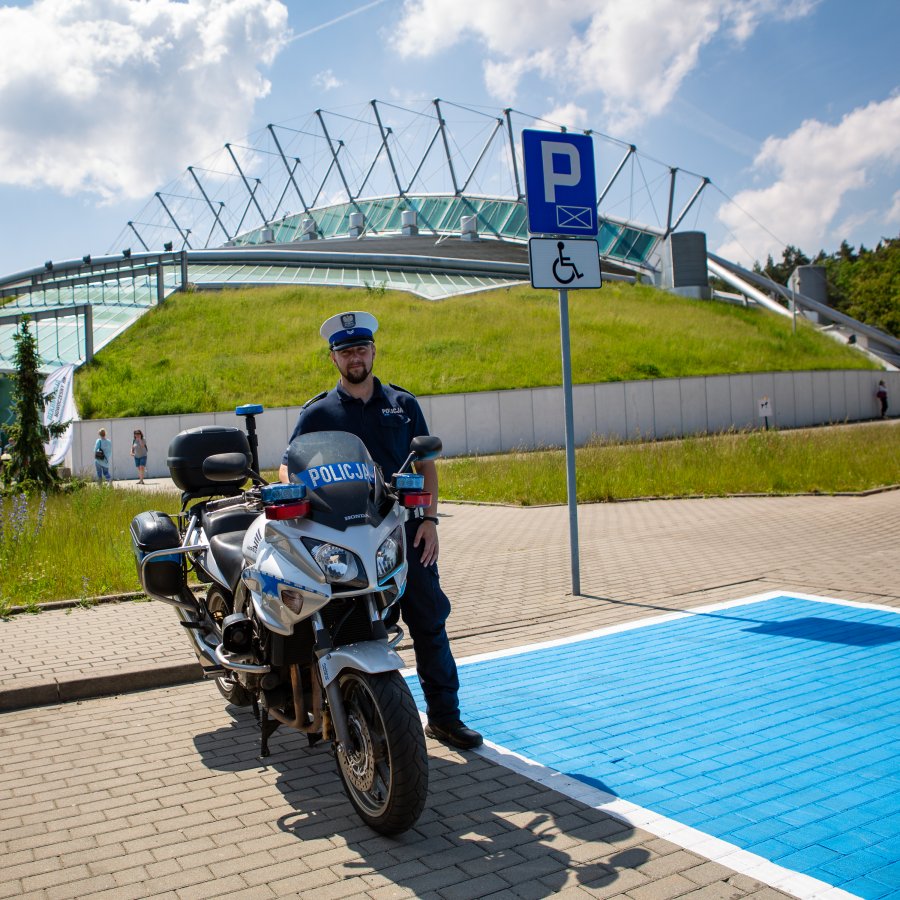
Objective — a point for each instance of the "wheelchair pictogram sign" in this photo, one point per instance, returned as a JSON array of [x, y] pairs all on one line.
[[569, 264], [564, 265]]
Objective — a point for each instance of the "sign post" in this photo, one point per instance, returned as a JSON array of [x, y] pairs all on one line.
[[765, 410], [561, 196]]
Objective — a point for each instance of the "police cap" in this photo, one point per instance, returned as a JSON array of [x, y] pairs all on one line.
[[349, 329]]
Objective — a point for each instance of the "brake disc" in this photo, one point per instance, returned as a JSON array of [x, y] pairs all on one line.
[[359, 765]]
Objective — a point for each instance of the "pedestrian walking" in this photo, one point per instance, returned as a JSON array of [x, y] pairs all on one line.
[[881, 395], [139, 452], [103, 457]]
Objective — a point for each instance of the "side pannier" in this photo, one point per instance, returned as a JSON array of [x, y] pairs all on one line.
[[151, 531]]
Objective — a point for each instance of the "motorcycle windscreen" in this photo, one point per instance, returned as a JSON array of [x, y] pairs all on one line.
[[343, 484]]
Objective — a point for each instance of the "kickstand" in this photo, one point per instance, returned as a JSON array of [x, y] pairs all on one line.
[[267, 726]]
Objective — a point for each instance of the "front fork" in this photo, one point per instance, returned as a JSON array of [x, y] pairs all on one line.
[[323, 648], [374, 656]]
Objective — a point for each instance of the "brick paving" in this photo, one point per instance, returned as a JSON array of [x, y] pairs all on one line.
[[158, 792]]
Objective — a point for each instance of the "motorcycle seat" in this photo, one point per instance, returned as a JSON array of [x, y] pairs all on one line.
[[225, 530], [221, 521], [226, 550]]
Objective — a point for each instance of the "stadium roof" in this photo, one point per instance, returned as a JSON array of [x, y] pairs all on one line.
[[380, 195]]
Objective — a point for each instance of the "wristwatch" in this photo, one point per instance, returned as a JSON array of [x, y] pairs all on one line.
[[430, 519]]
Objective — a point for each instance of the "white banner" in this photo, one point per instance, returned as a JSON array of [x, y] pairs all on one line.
[[59, 394]]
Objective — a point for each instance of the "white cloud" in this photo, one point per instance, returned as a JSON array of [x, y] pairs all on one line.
[[568, 114], [815, 168], [111, 96], [326, 80], [634, 54]]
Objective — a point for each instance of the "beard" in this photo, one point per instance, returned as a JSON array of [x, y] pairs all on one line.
[[357, 373]]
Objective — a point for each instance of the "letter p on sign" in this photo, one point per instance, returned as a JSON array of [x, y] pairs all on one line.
[[550, 151]]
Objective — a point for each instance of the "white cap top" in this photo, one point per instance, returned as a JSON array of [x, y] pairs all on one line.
[[349, 329]]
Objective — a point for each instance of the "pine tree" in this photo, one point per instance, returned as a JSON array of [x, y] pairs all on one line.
[[29, 466]]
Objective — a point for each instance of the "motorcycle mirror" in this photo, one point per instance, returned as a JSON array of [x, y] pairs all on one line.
[[225, 466], [426, 446]]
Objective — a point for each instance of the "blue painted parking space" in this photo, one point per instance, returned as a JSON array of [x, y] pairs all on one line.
[[772, 725]]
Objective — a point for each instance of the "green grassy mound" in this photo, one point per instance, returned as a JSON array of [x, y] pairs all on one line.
[[207, 352]]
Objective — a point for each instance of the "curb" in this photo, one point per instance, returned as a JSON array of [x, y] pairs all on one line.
[[867, 492], [51, 605], [37, 692]]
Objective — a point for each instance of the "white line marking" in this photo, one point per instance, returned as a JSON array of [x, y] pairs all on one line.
[[696, 841], [665, 617]]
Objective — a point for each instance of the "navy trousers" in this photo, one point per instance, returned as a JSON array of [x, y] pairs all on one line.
[[425, 608]]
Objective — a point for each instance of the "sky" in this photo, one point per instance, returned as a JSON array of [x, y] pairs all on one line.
[[790, 107]]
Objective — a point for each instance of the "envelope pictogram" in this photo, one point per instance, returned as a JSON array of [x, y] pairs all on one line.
[[574, 217]]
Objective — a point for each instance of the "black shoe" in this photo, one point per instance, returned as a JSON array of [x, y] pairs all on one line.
[[454, 733]]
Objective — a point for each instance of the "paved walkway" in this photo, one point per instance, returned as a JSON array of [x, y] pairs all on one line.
[[158, 792]]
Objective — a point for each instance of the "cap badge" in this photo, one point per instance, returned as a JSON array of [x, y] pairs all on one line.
[[348, 320]]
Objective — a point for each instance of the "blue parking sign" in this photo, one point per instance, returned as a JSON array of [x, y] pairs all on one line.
[[560, 184]]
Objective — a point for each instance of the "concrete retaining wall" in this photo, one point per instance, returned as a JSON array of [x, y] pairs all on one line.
[[496, 421]]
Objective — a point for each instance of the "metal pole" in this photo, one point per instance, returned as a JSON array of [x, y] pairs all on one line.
[[512, 153], [138, 236], [160, 283], [158, 196], [442, 126], [384, 139], [252, 193], [571, 489], [88, 333], [350, 196], [615, 175], [487, 145], [672, 173], [212, 209], [690, 203]]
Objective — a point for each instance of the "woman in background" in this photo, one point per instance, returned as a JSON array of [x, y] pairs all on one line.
[[103, 457], [139, 452]]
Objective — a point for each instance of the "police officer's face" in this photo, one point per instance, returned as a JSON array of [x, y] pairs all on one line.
[[355, 363]]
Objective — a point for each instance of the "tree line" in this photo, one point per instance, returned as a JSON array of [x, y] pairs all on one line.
[[864, 283]]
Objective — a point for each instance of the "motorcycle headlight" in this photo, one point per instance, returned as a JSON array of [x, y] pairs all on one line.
[[390, 553], [337, 564]]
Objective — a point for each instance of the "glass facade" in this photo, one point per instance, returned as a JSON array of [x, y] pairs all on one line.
[[423, 284], [441, 215], [115, 305]]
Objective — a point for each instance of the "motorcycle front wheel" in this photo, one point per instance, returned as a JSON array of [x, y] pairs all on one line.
[[219, 604], [385, 771]]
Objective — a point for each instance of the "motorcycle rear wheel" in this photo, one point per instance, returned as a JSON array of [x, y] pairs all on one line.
[[385, 772], [219, 604]]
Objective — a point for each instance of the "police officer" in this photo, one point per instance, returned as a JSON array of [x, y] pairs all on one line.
[[386, 418]]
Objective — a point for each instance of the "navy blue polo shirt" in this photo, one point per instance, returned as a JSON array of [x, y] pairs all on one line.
[[386, 424]]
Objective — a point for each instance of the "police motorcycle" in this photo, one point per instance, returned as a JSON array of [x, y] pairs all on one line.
[[301, 579]]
